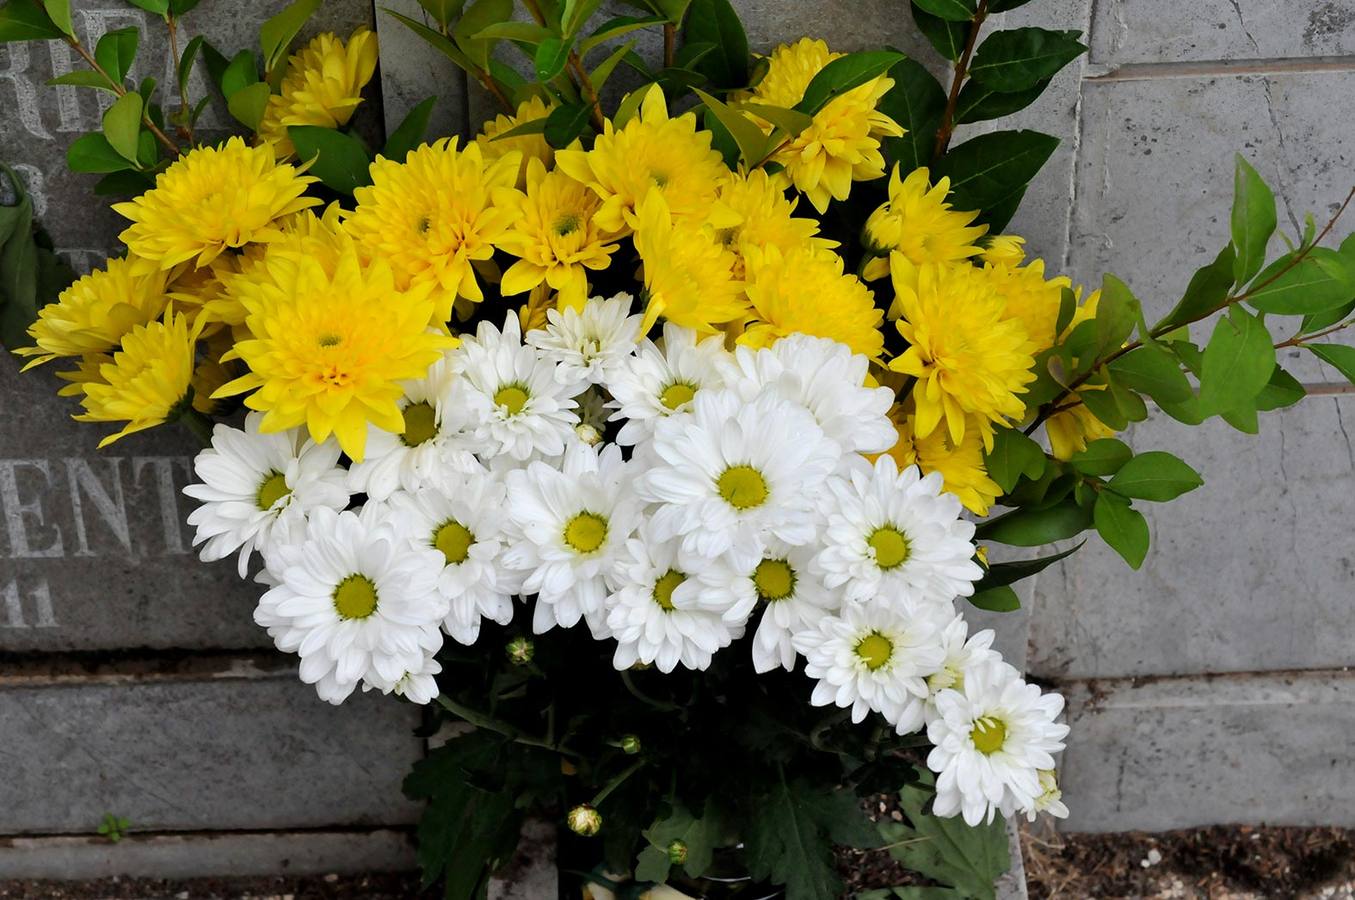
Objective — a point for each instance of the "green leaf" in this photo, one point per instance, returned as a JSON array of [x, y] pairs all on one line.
[[116, 51], [1338, 356], [1157, 476], [978, 103], [947, 37], [576, 13], [989, 170], [752, 143], [1067, 309], [93, 153], [185, 66], [1283, 390], [126, 183], [917, 102], [1153, 371], [18, 267], [996, 599], [1013, 455], [565, 123], [1317, 283], [1036, 527], [60, 13], [84, 78], [1319, 321], [438, 41], [701, 836], [242, 71], [122, 125], [716, 22], [616, 27], [1237, 362], [443, 11], [844, 74], [179, 7], [26, 20], [1002, 574], [522, 32], [1102, 457], [410, 132], [478, 16], [630, 104], [947, 851], [605, 68], [158, 7], [1116, 315], [249, 104], [1021, 58], [791, 121], [951, 10], [550, 59], [1105, 405], [534, 126], [275, 36], [1122, 527], [1207, 291], [1253, 221], [341, 163]]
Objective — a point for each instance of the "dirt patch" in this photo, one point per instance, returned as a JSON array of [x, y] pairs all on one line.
[[320, 887]]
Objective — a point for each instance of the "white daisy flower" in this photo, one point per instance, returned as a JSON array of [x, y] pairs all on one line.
[[517, 405], [656, 383], [257, 489], [573, 521], [897, 533], [354, 601], [990, 742], [467, 525], [669, 610], [827, 379], [732, 474], [1050, 799], [436, 444], [588, 345], [418, 685], [873, 657], [962, 654], [792, 597]]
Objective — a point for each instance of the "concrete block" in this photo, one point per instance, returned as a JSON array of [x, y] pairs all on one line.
[[208, 855], [1250, 572], [1155, 175], [241, 750], [413, 70], [1149, 31], [1160, 754]]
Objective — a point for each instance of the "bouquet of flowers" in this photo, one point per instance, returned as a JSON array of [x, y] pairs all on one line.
[[655, 435]]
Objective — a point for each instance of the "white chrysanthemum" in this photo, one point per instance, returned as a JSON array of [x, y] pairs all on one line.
[[897, 534], [418, 684], [354, 600], [467, 525], [515, 401], [257, 489], [876, 657], [574, 520], [962, 654], [792, 598], [668, 609], [588, 345], [827, 379], [990, 743], [732, 474], [436, 445], [1050, 799], [656, 383]]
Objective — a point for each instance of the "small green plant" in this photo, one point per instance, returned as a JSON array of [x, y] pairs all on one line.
[[114, 827]]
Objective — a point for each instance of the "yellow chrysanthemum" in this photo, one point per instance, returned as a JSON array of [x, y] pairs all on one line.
[[961, 465], [531, 146], [1004, 250], [969, 359], [330, 348], [147, 380], [86, 373], [432, 216], [761, 215], [554, 234], [651, 151], [805, 290], [1030, 298], [688, 277], [1072, 429], [93, 314], [843, 143], [919, 223], [211, 199], [323, 86]]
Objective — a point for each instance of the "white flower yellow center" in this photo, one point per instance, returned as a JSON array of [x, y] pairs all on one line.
[[272, 489], [676, 394], [948, 677], [355, 597], [743, 487], [420, 424], [875, 650], [988, 734], [664, 587], [511, 398], [890, 547], [774, 579], [454, 540], [586, 532]]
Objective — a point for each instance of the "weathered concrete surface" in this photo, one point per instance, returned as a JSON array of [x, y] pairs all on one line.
[[1267, 748], [226, 753], [208, 855]]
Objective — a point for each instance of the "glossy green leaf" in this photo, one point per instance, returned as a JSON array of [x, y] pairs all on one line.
[[978, 102], [790, 121], [249, 104], [952, 10], [550, 59], [438, 41], [917, 102], [444, 12], [1319, 282], [716, 22], [1013, 455], [116, 52], [158, 7], [276, 34], [699, 835], [126, 183], [185, 65], [600, 75], [947, 37], [1318, 321], [122, 125], [630, 105], [996, 599], [340, 161], [179, 7], [576, 14], [1253, 221], [26, 20], [478, 16], [59, 11], [567, 122], [1338, 356], [1237, 362], [1020, 58], [1116, 315], [93, 153], [1153, 371], [844, 74], [946, 850], [1157, 476], [1102, 458], [523, 32], [1283, 390], [1208, 290], [1105, 405], [84, 78], [1036, 527], [753, 144], [1122, 527], [614, 28], [1000, 574], [989, 170], [239, 74], [410, 132]]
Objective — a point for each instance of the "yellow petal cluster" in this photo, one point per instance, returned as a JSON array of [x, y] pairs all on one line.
[[918, 223], [806, 290], [322, 86], [94, 313], [530, 146], [688, 275], [754, 212], [961, 464]]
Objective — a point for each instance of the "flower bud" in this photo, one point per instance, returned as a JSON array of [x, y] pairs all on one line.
[[584, 820], [882, 231], [630, 744], [677, 853], [520, 651], [1005, 250], [588, 434]]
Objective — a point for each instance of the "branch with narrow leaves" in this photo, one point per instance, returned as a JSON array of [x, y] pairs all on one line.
[[947, 127], [165, 140], [186, 124]]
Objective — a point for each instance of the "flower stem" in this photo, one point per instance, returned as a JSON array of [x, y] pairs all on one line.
[[643, 697], [947, 127], [196, 422], [615, 783], [498, 726]]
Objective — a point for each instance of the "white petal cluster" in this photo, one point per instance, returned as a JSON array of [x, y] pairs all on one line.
[[678, 499]]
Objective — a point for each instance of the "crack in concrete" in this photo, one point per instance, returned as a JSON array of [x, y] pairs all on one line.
[[1284, 155], [1243, 22]]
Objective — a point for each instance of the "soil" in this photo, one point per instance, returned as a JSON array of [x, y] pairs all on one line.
[[320, 887]]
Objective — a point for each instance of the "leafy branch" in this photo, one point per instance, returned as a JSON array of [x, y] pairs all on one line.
[[947, 127]]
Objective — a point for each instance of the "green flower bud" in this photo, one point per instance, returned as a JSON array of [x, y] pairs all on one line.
[[677, 853], [630, 744], [584, 820], [520, 651]]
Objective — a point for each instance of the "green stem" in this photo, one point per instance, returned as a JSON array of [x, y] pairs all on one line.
[[645, 698], [498, 726], [615, 783], [947, 127], [196, 422]]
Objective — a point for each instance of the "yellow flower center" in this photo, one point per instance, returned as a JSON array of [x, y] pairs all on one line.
[[664, 587], [272, 489], [566, 225], [355, 597], [875, 650], [511, 398], [420, 424], [330, 340], [454, 540], [586, 532], [989, 734], [890, 546], [424, 224], [774, 579], [743, 487], [676, 394]]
